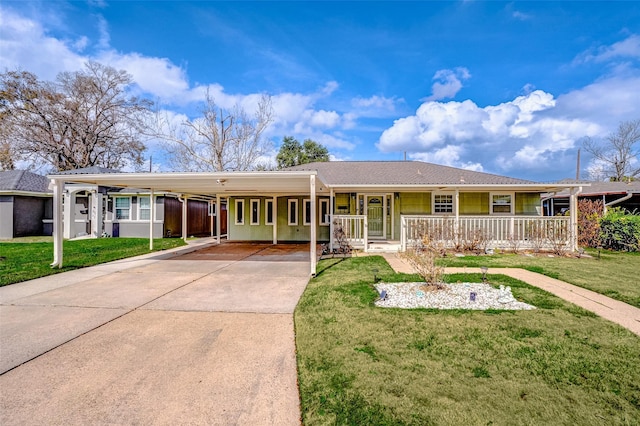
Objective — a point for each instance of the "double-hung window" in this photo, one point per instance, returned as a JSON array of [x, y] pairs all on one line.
[[442, 203], [123, 208], [144, 208], [501, 203]]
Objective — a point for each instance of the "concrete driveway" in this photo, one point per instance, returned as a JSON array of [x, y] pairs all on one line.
[[199, 338]]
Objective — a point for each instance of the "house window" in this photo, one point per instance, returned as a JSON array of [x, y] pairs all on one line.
[[268, 207], [144, 208], [255, 212], [307, 212], [501, 203], [324, 212], [443, 203], [123, 208], [239, 212], [293, 212]]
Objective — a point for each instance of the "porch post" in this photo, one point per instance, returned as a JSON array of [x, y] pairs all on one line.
[[332, 212], [96, 213], [218, 213], [184, 201], [58, 193], [69, 214], [573, 218], [312, 184], [457, 216], [274, 216], [152, 213]]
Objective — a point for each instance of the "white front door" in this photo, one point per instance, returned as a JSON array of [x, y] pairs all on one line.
[[375, 215]]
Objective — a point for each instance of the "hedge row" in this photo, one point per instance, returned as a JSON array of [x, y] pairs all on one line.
[[620, 230]]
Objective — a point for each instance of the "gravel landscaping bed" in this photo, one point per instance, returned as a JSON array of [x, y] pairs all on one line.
[[452, 296]]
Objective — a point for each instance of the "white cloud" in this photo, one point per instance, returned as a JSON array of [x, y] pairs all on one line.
[[447, 83], [531, 132], [375, 106], [627, 48]]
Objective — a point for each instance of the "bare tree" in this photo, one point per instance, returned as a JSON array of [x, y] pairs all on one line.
[[219, 140], [618, 154], [82, 119]]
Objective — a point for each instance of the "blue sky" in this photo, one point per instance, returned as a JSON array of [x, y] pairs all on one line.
[[502, 87]]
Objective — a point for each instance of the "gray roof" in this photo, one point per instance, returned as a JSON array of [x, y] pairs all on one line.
[[401, 173], [23, 180], [602, 188], [93, 170]]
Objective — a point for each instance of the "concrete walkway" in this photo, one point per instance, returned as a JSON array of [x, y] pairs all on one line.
[[613, 310], [189, 337]]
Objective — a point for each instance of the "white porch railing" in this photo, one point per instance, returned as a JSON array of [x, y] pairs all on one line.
[[352, 228], [507, 232]]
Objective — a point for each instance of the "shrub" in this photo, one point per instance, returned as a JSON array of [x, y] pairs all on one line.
[[620, 230], [589, 215]]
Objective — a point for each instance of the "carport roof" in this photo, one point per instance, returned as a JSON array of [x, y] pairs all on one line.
[[214, 183]]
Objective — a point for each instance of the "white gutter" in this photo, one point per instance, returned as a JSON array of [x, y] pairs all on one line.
[[618, 201]]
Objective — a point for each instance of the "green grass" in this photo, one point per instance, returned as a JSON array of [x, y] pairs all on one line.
[[614, 274], [25, 260], [358, 364]]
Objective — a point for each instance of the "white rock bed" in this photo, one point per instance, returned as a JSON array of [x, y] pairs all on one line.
[[453, 296]]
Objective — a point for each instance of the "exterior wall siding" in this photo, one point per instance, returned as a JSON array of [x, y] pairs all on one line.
[[262, 232], [6, 217], [527, 203], [28, 213], [474, 203]]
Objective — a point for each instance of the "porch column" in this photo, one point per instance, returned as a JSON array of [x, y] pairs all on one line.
[[69, 214], [312, 184], [96, 213], [184, 201], [274, 216], [152, 213], [457, 209], [58, 193], [331, 213], [218, 212], [573, 218]]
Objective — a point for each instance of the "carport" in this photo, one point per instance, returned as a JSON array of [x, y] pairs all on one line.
[[214, 186]]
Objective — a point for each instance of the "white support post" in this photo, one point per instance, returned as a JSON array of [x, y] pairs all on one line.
[[456, 225], [274, 216], [184, 201], [69, 215], [58, 193], [312, 184], [218, 213], [96, 214], [573, 218], [332, 212], [152, 213]]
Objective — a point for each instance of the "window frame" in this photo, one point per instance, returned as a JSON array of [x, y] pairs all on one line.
[[254, 203], [239, 220], [268, 209], [324, 202], [511, 203], [116, 208], [306, 210], [290, 202], [141, 209], [434, 203]]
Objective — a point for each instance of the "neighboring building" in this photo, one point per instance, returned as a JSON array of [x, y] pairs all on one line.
[[612, 194], [107, 211], [25, 204]]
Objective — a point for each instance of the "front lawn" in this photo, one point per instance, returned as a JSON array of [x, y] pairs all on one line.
[[22, 261], [614, 274], [359, 364]]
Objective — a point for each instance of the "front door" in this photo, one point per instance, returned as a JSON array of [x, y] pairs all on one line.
[[375, 216]]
